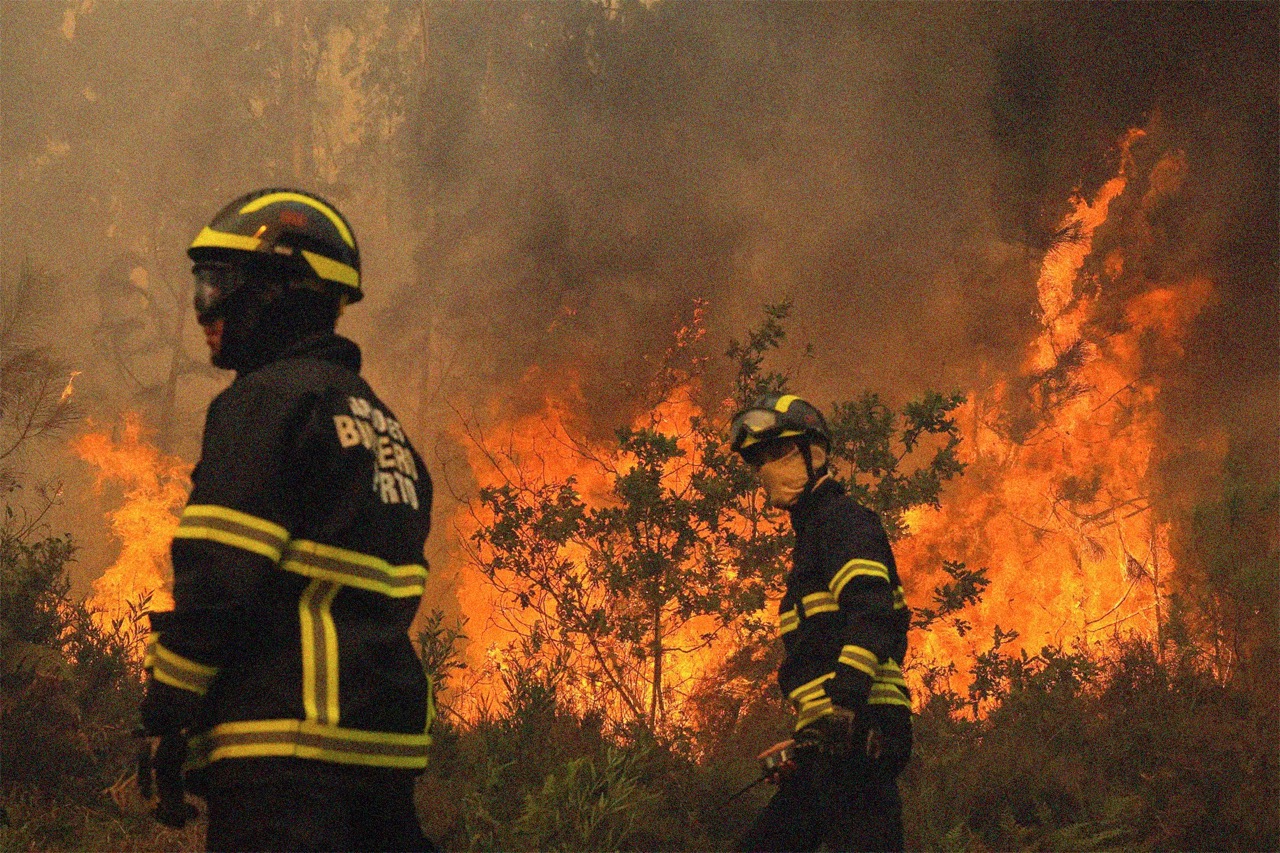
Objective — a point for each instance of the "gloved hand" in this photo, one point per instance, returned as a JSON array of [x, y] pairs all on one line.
[[167, 714], [160, 762], [831, 734], [778, 762]]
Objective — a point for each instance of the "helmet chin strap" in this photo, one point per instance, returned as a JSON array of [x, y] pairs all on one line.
[[815, 476]]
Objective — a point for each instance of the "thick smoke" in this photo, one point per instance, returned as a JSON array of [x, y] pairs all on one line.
[[541, 190]]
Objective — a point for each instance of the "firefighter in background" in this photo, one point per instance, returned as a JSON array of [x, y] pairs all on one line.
[[843, 622], [285, 665]]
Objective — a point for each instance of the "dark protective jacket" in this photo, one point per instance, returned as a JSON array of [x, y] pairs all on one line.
[[843, 618], [298, 567]]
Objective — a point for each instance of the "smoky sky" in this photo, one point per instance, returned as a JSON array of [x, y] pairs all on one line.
[[541, 190]]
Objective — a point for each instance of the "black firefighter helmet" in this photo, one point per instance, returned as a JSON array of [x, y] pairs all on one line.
[[289, 230], [776, 416]]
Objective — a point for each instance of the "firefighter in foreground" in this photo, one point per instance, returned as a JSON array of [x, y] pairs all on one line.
[[843, 622], [285, 671]]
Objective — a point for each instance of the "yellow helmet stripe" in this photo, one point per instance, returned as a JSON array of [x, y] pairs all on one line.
[[784, 402], [272, 198], [222, 240], [331, 270]]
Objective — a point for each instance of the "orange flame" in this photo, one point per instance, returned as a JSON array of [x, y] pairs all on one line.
[[154, 492], [1056, 500], [542, 448]]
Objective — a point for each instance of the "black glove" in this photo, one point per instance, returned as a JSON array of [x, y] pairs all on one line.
[[167, 714], [160, 762], [831, 734]]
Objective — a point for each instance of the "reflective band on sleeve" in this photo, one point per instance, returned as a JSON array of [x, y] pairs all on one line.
[[234, 528], [813, 711], [899, 598], [819, 602], [855, 568], [788, 620], [863, 660], [169, 667], [303, 739], [351, 568], [810, 689]]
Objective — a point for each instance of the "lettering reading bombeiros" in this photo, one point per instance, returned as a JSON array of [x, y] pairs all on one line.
[[395, 472]]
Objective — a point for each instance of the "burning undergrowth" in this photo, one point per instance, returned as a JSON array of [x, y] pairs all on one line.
[[154, 487]]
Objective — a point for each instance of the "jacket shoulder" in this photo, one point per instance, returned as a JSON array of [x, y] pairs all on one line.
[[844, 511]]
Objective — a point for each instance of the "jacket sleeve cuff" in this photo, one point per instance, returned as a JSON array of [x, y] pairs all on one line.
[[168, 667], [855, 671]]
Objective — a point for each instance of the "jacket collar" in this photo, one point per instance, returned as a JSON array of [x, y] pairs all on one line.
[[826, 490], [327, 346]]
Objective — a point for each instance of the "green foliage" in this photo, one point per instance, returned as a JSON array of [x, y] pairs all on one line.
[[66, 686], [951, 598], [68, 697], [881, 450], [583, 805], [1094, 752], [437, 649], [682, 535], [748, 356], [1227, 582]]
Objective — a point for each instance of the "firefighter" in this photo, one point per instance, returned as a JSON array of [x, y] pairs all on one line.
[[843, 622], [284, 671]]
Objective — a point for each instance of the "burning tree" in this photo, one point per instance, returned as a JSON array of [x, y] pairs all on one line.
[[639, 563]]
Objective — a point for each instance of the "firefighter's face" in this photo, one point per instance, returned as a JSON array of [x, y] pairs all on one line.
[[213, 337]]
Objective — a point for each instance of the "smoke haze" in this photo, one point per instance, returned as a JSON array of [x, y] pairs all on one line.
[[541, 190]]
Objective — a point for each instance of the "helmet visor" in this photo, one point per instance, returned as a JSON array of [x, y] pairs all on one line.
[[214, 283], [751, 426]]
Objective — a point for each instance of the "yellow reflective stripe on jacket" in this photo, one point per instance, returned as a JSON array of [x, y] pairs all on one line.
[[234, 528], [169, 667], [889, 687], [319, 638], [788, 620], [149, 651], [863, 660], [819, 602], [899, 598], [813, 711], [889, 672], [855, 568], [811, 700], [351, 568], [810, 688], [887, 694], [306, 739]]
